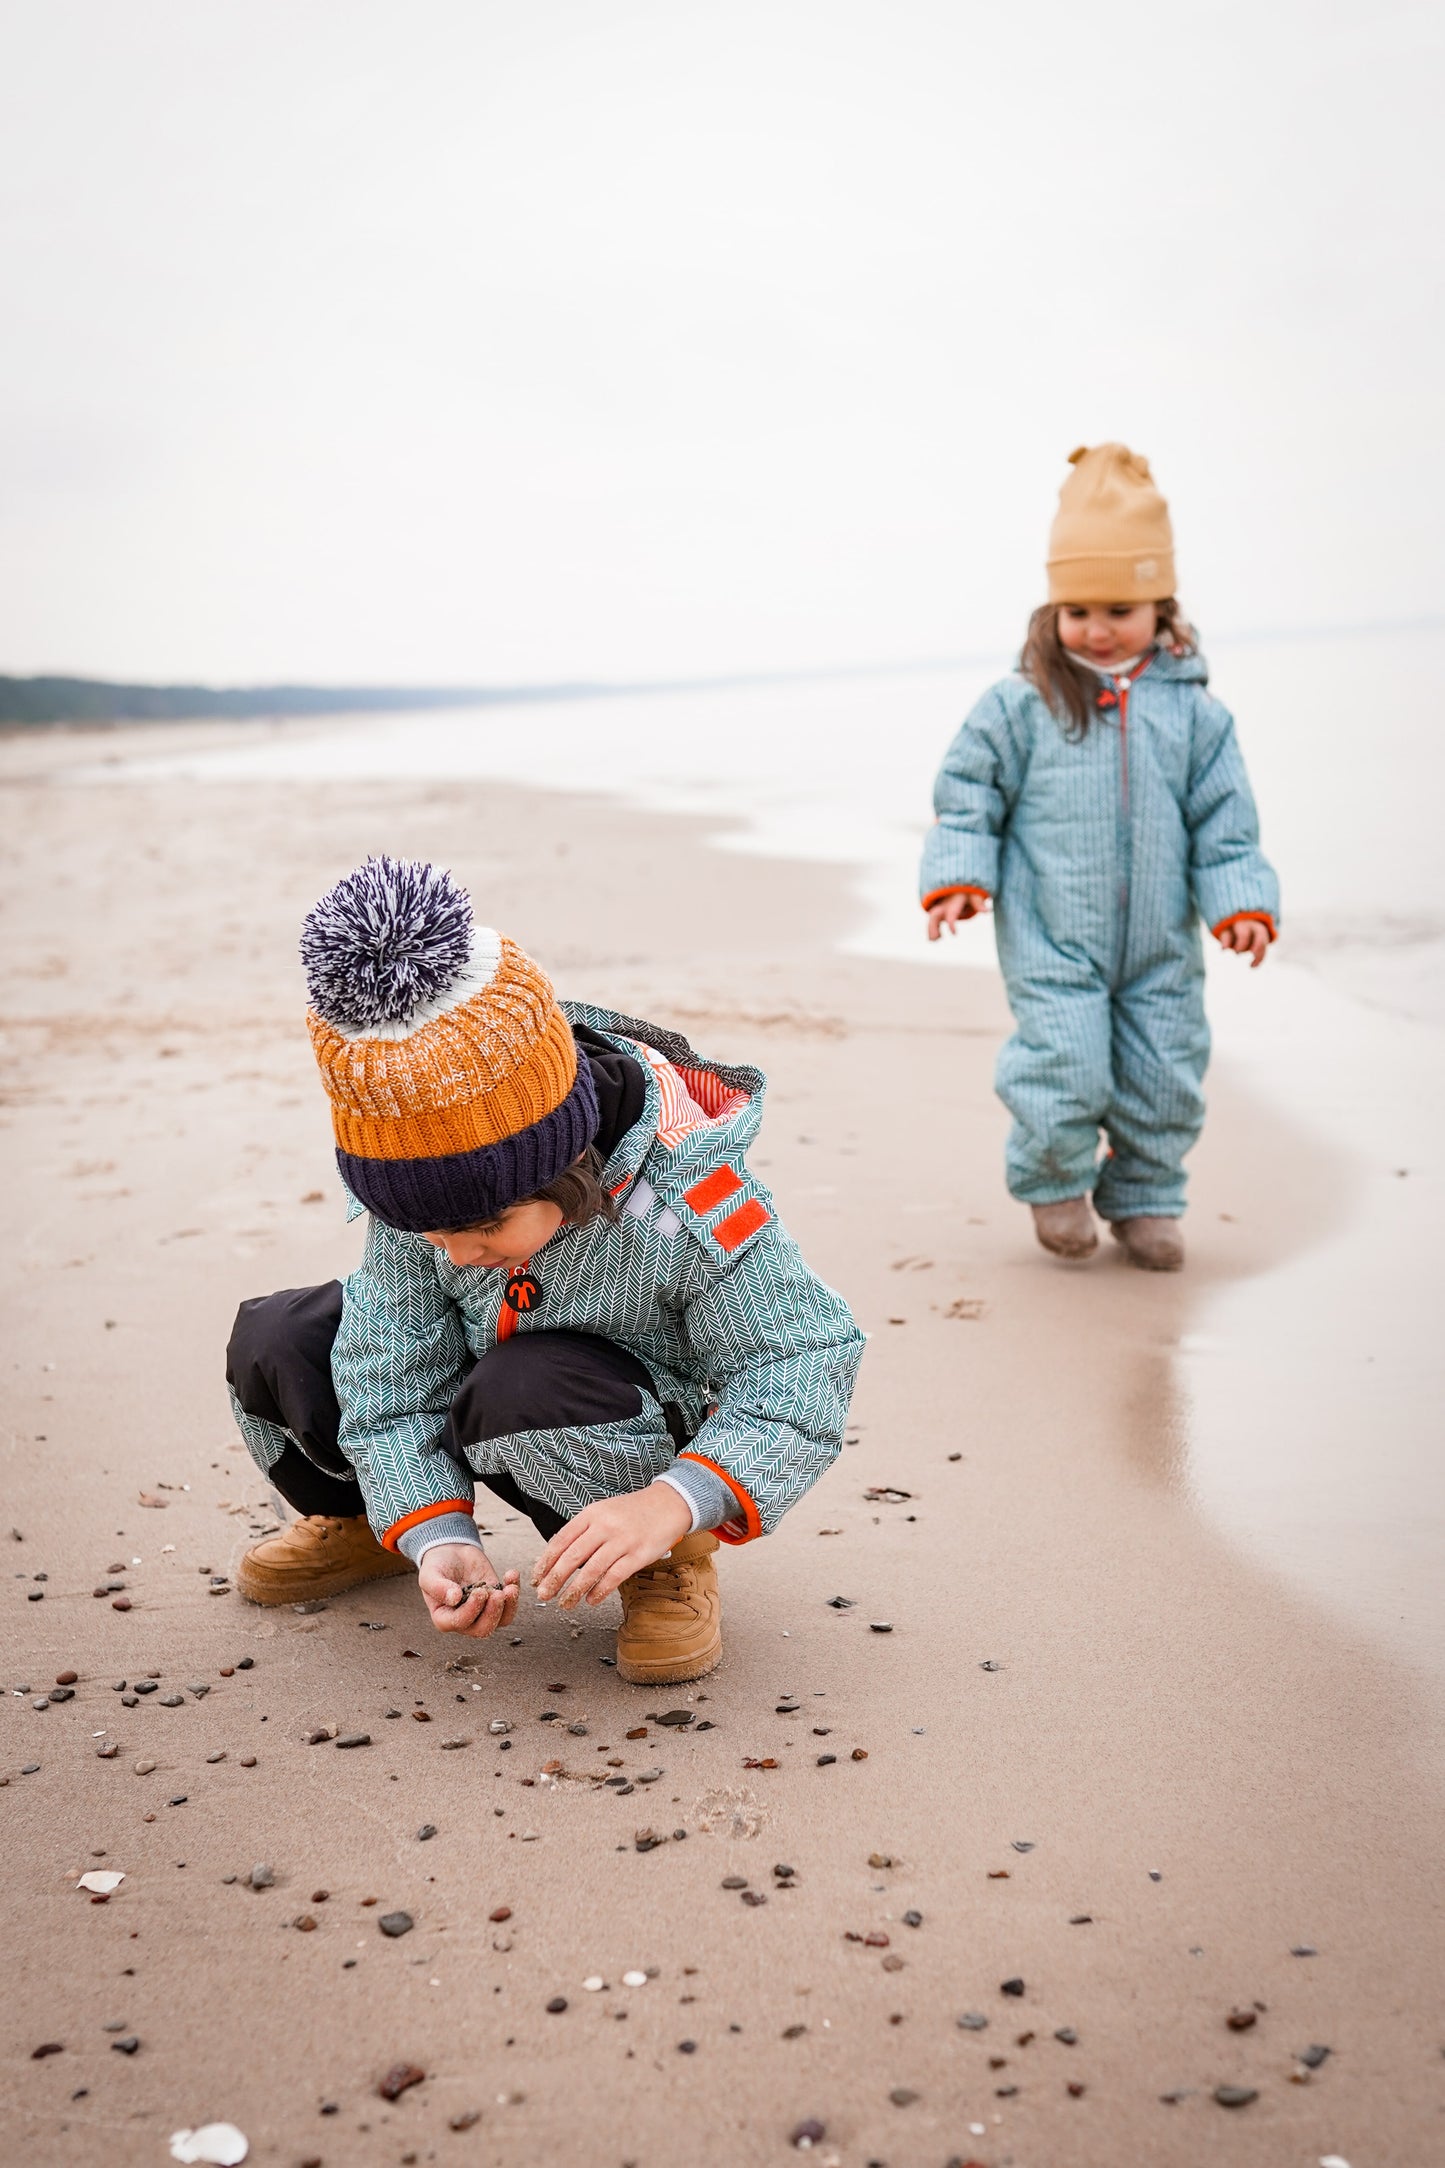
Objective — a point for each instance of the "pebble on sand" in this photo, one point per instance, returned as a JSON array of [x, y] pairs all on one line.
[[400, 2078], [1235, 2096], [396, 1923], [219, 2144]]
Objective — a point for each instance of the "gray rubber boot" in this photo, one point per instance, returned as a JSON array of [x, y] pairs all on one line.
[[1066, 1229], [1154, 1245]]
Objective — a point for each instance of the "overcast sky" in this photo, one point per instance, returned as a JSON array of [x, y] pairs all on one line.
[[444, 340]]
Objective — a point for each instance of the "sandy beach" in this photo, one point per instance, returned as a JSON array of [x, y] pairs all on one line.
[[1098, 1751]]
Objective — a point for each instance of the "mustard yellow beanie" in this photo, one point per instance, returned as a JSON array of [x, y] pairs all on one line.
[[1111, 540]]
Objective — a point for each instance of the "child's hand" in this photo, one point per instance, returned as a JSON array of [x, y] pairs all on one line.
[[605, 1543], [963, 903], [450, 1568], [1247, 937]]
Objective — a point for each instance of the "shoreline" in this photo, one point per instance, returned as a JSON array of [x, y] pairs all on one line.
[[1162, 1704]]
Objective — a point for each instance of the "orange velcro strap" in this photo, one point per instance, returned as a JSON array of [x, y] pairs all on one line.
[[751, 1515], [736, 1228], [956, 888], [706, 1195], [425, 1513], [1265, 918]]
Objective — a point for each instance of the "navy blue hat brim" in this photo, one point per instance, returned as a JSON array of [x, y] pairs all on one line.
[[428, 1196]]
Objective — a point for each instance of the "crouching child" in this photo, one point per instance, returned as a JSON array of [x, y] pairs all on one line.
[[572, 1290]]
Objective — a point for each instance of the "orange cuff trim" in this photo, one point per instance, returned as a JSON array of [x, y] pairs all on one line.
[[738, 1225], [955, 888], [751, 1514], [425, 1513], [706, 1195], [1234, 917]]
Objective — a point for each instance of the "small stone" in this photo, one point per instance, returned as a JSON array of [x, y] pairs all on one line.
[[199, 1689], [860, 1753], [245, 1663], [842, 1603], [594, 1983], [261, 1876], [399, 2079], [228, 1671], [988, 1664], [173, 1701], [1235, 2096], [498, 1725], [1304, 1949], [808, 2134], [556, 2006], [130, 1701], [465, 2119], [62, 1693], [30, 1769], [973, 2021], [913, 1919], [427, 1831], [37, 1595], [754, 1897], [1081, 1919], [687, 2047], [1242, 2020], [309, 1610], [881, 1626], [396, 1923], [107, 1752], [825, 1761], [634, 1979], [501, 1912], [355, 1738], [1021, 1844], [1312, 2057], [903, 2096], [1010, 1987], [146, 1686], [218, 1756], [120, 1603], [1067, 2036], [1074, 2089], [179, 1800], [126, 2045], [66, 1678], [306, 1925], [881, 1860], [248, 1761], [673, 1717], [734, 1881], [144, 1768], [47, 2047]]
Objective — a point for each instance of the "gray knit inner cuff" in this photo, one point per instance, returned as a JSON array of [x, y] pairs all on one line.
[[442, 1528], [711, 1500]]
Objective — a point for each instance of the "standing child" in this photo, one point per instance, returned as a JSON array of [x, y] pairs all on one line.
[[1097, 800], [572, 1289]]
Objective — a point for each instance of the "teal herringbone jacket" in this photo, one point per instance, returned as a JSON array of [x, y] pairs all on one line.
[[697, 1278]]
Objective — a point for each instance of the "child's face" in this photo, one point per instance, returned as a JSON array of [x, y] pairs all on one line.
[[510, 1239], [1107, 631]]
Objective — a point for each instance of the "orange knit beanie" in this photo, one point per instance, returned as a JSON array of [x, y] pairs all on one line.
[[1111, 540], [453, 1076]]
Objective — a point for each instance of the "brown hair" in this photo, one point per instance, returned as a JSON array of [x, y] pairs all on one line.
[[577, 1189], [1069, 689]]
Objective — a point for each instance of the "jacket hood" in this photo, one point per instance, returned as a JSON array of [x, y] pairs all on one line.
[[697, 1110]]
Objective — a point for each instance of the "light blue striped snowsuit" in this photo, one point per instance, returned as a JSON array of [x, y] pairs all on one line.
[[1101, 857]]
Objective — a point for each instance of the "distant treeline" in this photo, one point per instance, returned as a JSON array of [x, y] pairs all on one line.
[[92, 700]]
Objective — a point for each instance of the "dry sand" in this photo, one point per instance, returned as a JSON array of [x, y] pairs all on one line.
[[1156, 1705]]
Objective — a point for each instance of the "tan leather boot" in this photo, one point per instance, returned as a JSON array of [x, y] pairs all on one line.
[[1154, 1245], [1066, 1229], [317, 1556], [672, 1616]]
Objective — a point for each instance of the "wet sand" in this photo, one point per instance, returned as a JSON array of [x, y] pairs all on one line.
[[1161, 1705]]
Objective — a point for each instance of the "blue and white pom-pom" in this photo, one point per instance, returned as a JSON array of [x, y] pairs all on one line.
[[392, 947]]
